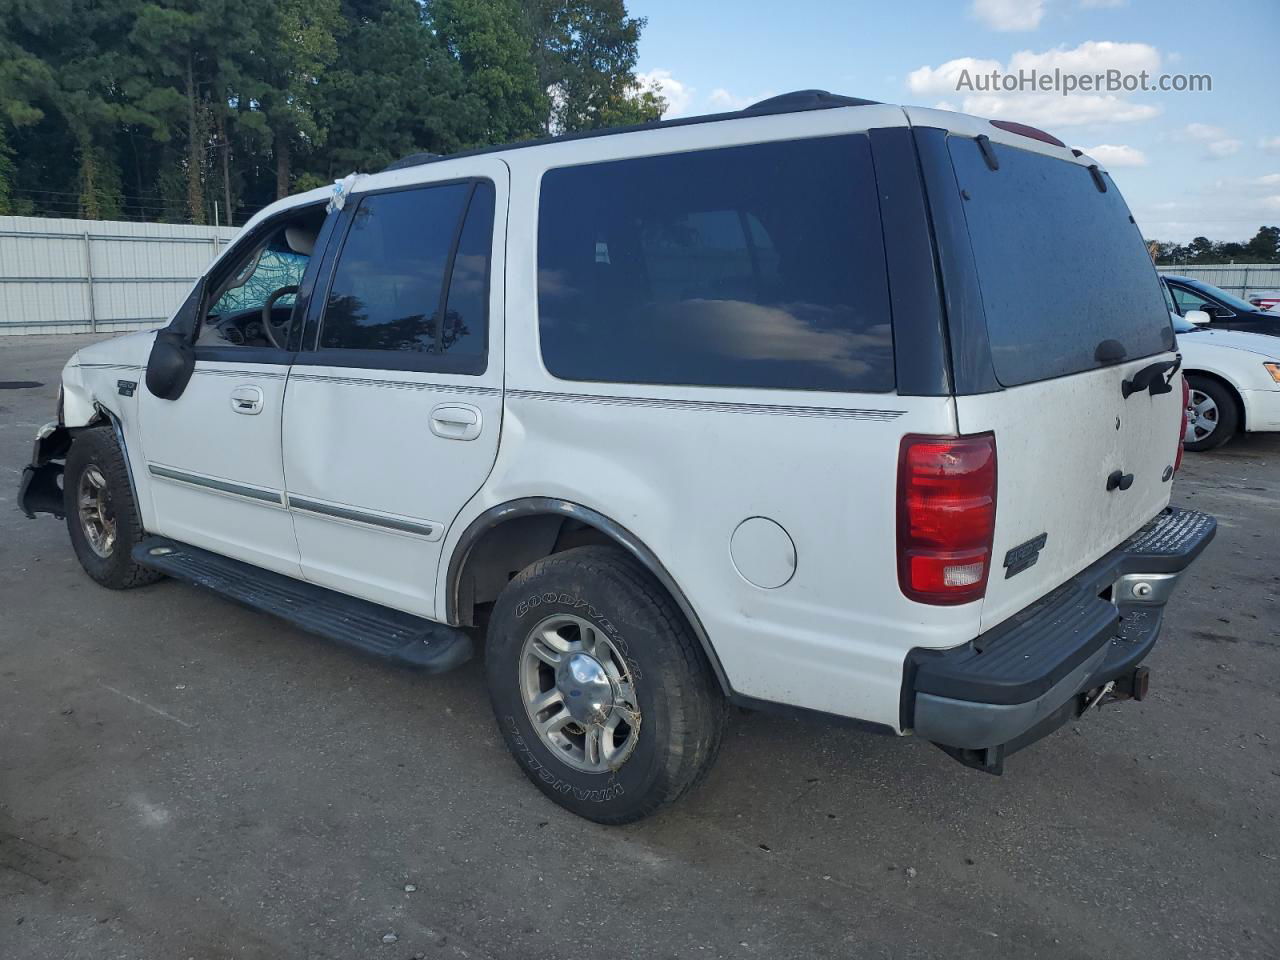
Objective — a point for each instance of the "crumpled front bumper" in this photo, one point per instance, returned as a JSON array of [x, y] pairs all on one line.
[[1047, 664], [40, 490]]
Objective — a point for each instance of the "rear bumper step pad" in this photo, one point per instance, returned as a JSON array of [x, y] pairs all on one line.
[[1018, 681], [368, 627]]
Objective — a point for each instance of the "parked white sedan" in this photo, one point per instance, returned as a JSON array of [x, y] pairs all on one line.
[[1234, 381]]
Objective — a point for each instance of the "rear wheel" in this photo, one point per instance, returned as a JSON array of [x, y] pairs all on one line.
[[101, 515], [600, 689], [1212, 417]]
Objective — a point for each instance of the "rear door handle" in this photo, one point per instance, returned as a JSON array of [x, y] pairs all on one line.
[[456, 421], [247, 399], [1119, 481]]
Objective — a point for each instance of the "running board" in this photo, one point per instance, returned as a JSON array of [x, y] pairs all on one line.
[[369, 627]]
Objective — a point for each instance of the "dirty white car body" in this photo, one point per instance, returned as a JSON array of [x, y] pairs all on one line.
[[775, 522]]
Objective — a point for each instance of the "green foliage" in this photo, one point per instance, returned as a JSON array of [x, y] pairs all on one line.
[[158, 109], [1264, 247], [586, 54]]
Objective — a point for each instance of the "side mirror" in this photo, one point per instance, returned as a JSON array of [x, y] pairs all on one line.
[[173, 357], [1198, 317], [170, 365]]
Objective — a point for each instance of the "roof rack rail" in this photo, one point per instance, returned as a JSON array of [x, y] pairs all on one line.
[[797, 101], [410, 160]]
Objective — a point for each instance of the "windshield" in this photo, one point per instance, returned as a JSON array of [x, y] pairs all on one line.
[[1235, 303]]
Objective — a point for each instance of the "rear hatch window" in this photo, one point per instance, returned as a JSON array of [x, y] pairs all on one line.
[[1061, 265]]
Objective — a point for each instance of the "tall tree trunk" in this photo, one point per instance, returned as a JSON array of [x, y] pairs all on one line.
[[88, 180], [226, 165], [195, 190], [282, 164]]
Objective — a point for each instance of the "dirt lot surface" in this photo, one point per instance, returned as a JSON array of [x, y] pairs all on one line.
[[182, 778]]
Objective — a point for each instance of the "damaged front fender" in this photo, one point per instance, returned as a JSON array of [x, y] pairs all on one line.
[[41, 489]]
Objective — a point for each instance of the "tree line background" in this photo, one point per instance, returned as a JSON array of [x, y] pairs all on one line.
[[1264, 247], [158, 109]]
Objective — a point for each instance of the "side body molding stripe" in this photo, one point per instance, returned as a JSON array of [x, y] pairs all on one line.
[[359, 516], [222, 486], [533, 506]]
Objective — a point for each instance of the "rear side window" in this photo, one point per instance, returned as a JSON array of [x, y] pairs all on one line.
[[412, 276], [754, 266], [1060, 265]]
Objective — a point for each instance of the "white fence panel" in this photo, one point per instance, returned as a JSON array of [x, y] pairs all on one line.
[[1242, 280], [81, 276]]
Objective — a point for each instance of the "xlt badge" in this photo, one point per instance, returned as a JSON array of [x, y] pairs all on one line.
[[1024, 555]]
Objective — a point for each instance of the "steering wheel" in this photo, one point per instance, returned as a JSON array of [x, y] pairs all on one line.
[[276, 336]]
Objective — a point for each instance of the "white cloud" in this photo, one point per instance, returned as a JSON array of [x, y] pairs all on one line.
[[1217, 144], [1269, 143], [1271, 203], [1270, 180], [722, 99], [1046, 108], [678, 95], [1008, 15], [1117, 155], [1203, 131]]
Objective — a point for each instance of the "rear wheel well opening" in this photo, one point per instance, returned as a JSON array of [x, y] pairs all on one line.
[[491, 552], [1232, 392], [506, 548]]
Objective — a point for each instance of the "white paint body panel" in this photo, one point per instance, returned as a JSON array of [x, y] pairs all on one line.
[[1238, 357], [201, 434], [364, 439], [1056, 442]]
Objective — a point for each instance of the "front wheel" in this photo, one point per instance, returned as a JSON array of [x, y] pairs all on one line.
[[101, 515], [600, 688], [1212, 417]]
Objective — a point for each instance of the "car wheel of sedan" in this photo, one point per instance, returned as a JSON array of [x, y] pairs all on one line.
[[1212, 417]]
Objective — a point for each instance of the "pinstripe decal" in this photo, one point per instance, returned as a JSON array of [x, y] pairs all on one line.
[[398, 384], [839, 413], [131, 367], [254, 373]]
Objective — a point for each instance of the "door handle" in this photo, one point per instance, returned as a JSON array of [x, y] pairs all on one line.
[[1119, 480], [456, 421], [247, 400]]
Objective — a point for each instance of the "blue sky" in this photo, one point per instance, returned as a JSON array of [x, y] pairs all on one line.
[[1205, 163]]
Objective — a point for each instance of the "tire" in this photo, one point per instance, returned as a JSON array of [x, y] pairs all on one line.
[[108, 561], [1223, 418], [667, 711]]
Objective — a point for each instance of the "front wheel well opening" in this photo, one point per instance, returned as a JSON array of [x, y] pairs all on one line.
[[1232, 392]]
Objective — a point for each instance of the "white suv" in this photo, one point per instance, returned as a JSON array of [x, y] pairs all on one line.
[[704, 412]]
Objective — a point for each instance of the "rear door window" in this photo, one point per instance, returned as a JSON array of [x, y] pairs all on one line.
[[412, 279], [753, 266], [1060, 264]]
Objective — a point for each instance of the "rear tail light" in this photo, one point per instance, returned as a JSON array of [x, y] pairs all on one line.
[[1182, 424], [946, 517]]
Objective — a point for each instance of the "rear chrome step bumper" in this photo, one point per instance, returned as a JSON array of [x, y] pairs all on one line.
[[1047, 664]]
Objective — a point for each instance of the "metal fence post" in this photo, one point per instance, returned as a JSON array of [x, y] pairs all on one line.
[[1244, 294], [88, 276]]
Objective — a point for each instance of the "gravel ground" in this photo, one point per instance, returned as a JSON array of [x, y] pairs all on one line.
[[182, 778]]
